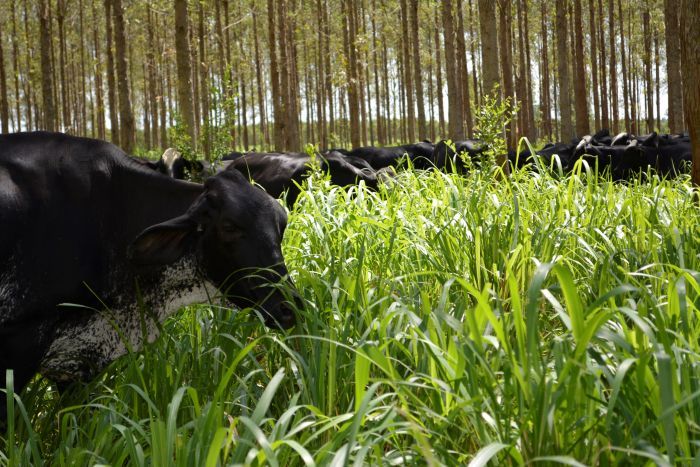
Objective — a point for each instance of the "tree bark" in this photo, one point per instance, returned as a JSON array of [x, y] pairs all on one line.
[[489, 45], [463, 73], [673, 66], [288, 77], [184, 71], [506, 59], [625, 85], [582, 122], [49, 110], [567, 128], [417, 70], [438, 66], [4, 105], [594, 64], [381, 131], [545, 100], [126, 117], [83, 92], [472, 52], [15, 70], [454, 95], [604, 100], [260, 84], [648, 64], [274, 78], [111, 84], [657, 65], [204, 83], [62, 68], [690, 53], [531, 128], [99, 90], [614, 103], [405, 40]]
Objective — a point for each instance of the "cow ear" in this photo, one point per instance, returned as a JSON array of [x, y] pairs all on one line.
[[164, 243], [652, 140]]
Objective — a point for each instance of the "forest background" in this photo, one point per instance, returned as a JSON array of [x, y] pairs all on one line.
[[213, 75]]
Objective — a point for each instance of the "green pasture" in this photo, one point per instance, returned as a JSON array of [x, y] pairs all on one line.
[[448, 319]]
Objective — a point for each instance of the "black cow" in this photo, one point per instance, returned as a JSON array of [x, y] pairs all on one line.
[[446, 158], [420, 154], [172, 164], [81, 222], [280, 172]]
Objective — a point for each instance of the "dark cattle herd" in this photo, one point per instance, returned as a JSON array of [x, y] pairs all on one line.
[[623, 157], [89, 236]]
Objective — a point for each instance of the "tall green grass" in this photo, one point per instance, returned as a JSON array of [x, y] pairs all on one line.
[[448, 320]]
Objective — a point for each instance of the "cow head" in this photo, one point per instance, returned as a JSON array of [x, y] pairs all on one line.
[[236, 231]]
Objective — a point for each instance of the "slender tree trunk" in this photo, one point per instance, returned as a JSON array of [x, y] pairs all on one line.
[[99, 90], [657, 65], [387, 97], [204, 83], [545, 96], [4, 105], [690, 57], [275, 79], [602, 74], [438, 66], [260, 85], [417, 70], [472, 52], [184, 71], [456, 128], [381, 130], [625, 85], [580, 94], [83, 92], [648, 64], [32, 114], [15, 70], [531, 128], [354, 92], [49, 110], [111, 84], [361, 71], [506, 59], [194, 79], [567, 128], [521, 80], [292, 61], [524, 71], [405, 40], [615, 102], [594, 63], [62, 68], [151, 73], [463, 71], [673, 66], [489, 45], [126, 116], [327, 68], [146, 110]]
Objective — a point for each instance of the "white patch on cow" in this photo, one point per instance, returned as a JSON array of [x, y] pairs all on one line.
[[81, 349], [170, 156], [10, 291]]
